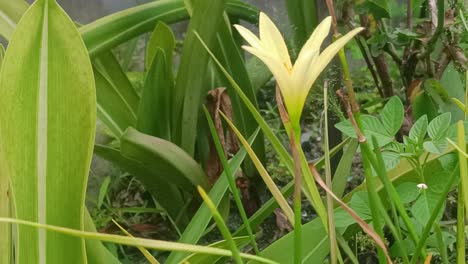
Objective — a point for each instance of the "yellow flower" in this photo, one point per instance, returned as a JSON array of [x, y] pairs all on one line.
[[293, 81]]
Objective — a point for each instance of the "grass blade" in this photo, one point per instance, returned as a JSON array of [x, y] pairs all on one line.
[[201, 219], [231, 181], [143, 250], [283, 204], [221, 225], [134, 241], [117, 100]]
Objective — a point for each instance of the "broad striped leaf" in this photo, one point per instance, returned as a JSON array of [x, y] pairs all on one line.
[[47, 125]]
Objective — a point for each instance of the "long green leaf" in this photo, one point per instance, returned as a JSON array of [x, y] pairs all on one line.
[[48, 121], [167, 195], [232, 59], [165, 158], [6, 248], [163, 38], [221, 225], [204, 258], [5, 201], [112, 30], [134, 241], [201, 219], [154, 113], [231, 180], [264, 174], [267, 208], [96, 252], [191, 82], [117, 100], [315, 245]]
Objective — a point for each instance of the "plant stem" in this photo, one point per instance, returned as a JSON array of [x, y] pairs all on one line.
[[294, 142], [460, 227], [330, 207]]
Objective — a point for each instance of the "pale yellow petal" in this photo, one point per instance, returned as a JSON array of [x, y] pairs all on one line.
[[249, 36], [301, 68], [326, 56], [272, 40], [318, 36], [280, 73]]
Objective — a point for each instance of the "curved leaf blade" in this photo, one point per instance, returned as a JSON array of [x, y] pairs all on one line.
[[165, 158]]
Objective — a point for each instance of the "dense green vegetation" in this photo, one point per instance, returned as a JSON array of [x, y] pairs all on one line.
[[346, 137]]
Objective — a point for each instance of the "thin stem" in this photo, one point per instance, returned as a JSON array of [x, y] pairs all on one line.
[[460, 227], [409, 15], [330, 207], [297, 199]]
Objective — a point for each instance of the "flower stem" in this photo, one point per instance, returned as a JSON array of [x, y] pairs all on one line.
[[295, 145]]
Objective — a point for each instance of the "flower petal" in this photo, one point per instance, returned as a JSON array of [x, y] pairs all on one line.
[[272, 40], [280, 73], [318, 36], [249, 36], [301, 68], [327, 55]]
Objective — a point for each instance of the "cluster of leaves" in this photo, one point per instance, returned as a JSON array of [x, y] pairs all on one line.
[[158, 135]]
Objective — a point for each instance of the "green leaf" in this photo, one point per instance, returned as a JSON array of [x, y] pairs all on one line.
[[392, 115], [110, 31], [202, 217], [424, 105], [454, 84], [134, 241], [103, 191], [154, 111], [6, 248], [117, 100], [407, 191], [343, 169], [303, 17], [372, 127], [438, 127], [360, 204], [425, 205], [221, 225], [315, 247], [163, 38], [232, 59], [167, 195], [205, 258], [190, 82], [48, 100], [96, 252], [378, 8], [436, 146], [419, 129], [268, 207], [168, 160]]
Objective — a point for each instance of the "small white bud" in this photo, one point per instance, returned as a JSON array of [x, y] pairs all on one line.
[[422, 186]]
